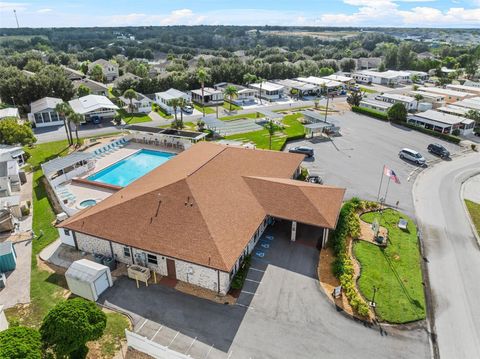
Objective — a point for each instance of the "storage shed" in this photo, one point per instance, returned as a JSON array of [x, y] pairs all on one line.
[[88, 279], [8, 257]]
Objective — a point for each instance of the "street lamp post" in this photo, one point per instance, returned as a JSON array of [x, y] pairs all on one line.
[[372, 303], [13, 101]]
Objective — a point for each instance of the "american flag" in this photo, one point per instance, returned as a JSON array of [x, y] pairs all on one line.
[[391, 173]]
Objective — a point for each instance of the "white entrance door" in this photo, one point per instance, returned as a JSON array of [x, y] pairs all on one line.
[[101, 284]]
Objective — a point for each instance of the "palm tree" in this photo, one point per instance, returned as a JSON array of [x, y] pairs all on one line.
[[203, 76], [181, 103], [261, 84], [271, 128], [418, 98], [473, 115], [175, 103], [77, 119], [230, 92], [249, 79], [64, 109], [130, 94]]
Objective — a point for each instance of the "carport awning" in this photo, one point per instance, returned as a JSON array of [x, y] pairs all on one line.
[[299, 201], [60, 163], [270, 114]]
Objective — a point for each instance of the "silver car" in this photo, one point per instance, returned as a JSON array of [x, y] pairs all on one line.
[[412, 155]]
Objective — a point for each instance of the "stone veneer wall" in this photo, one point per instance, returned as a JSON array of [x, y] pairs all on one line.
[[187, 272]]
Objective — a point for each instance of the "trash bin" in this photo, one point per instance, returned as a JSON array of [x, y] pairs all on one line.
[[98, 258], [110, 263]]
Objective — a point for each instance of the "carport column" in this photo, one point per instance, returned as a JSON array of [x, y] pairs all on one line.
[[294, 231], [325, 237]]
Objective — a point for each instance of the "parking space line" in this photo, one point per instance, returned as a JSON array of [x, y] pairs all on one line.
[[245, 306], [244, 291], [208, 353], [175, 337], [190, 346], [141, 326], [258, 270], [251, 280], [154, 335]]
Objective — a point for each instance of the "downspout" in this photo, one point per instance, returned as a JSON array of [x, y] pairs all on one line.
[[75, 240], [218, 281]]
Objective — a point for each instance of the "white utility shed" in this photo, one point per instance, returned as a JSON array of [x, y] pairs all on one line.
[[88, 279]]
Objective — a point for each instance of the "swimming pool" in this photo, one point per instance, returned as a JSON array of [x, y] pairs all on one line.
[[131, 168]]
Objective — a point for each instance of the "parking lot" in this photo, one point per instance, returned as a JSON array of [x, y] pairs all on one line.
[[355, 159], [280, 313]]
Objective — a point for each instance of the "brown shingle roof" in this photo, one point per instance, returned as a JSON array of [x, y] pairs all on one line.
[[205, 204]]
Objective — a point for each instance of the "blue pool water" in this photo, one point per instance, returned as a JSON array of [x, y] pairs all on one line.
[[131, 168], [88, 203]]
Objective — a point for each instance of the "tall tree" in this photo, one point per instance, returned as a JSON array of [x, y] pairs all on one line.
[[77, 120], [202, 77], [175, 103], [83, 90], [96, 73], [418, 98], [64, 109], [397, 113], [473, 115], [130, 95], [70, 325], [14, 133], [271, 128], [231, 93], [354, 98]]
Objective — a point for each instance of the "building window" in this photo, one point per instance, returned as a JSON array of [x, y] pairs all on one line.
[[152, 259], [126, 251], [67, 232]]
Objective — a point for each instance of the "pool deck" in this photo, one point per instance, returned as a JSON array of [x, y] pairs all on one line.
[[84, 191]]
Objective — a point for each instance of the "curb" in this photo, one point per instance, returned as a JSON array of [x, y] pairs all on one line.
[[462, 198]]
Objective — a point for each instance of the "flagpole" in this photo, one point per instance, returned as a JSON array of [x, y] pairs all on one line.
[[386, 192], [381, 181]]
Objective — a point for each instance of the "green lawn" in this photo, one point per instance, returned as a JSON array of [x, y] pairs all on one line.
[[162, 113], [395, 270], [46, 289], [131, 118], [208, 110], [367, 90], [474, 210], [261, 138], [231, 107], [110, 342]]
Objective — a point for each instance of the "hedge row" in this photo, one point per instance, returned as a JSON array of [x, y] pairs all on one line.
[[369, 112], [348, 226], [442, 136]]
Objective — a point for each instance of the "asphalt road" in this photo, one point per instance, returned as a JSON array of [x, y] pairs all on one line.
[[453, 256], [355, 159]]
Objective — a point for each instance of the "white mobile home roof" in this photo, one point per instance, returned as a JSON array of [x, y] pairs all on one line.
[[377, 103], [397, 97], [91, 103], [441, 117], [455, 110], [170, 94], [268, 86], [463, 88], [320, 81], [445, 92], [428, 94], [44, 104], [471, 103], [60, 163], [303, 86], [338, 78], [9, 112]]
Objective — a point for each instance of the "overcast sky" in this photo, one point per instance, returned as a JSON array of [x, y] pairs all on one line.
[[409, 13]]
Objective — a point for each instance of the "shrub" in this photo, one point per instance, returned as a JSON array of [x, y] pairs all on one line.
[[473, 146], [369, 112], [239, 279], [20, 342], [342, 267], [397, 113], [436, 134], [456, 132]]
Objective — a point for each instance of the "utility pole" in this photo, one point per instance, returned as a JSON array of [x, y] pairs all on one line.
[[16, 18]]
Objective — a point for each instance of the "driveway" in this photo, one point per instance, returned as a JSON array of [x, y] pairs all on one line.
[[355, 159], [281, 312]]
